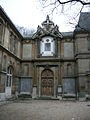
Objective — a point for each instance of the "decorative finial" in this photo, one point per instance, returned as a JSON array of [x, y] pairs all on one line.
[[47, 17]]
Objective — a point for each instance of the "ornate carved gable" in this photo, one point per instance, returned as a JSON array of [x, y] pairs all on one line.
[[48, 28], [48, 25]]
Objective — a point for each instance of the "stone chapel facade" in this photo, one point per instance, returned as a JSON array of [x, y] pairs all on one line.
[[48, 64]]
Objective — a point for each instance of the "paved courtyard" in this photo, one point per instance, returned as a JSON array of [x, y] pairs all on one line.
[[45, 110]]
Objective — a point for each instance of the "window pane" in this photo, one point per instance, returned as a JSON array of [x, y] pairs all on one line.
[[89, 44], [10, 71], [7, 80], [9, 77], [10, 81], [47, 46]]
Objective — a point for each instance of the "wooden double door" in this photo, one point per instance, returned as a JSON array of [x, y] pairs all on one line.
[[47, 83]]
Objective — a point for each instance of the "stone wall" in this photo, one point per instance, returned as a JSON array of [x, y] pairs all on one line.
[[27, 51], [68, 50], [83, 62]]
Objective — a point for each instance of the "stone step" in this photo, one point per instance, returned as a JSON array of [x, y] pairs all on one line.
[[46, 98]]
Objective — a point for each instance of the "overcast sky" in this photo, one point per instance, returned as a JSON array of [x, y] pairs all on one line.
[[29, 13]]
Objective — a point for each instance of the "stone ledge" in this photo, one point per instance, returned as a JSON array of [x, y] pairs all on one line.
[[68, 97]]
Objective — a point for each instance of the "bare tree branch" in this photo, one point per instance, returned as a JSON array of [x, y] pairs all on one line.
[[70, 8], [69, 1]]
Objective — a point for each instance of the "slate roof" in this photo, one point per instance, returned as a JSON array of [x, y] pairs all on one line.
[[67, 34], [84, 22]]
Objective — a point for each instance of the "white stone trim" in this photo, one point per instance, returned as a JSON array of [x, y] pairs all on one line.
[[42, 46]]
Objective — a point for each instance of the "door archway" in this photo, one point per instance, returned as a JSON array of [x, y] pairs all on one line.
[[47, 83]]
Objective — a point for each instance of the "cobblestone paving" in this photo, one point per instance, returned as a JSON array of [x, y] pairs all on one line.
[[45, 110]]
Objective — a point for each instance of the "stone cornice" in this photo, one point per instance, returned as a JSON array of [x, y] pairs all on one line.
[[85, 55], [10, 53], [49, 60]]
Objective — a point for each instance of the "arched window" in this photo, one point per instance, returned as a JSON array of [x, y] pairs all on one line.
[[89, 66], [88, 42], [9, 77], [26, 70], [4, 62], [15, 45], [1, 30], [69, 69], [18, 69], [11, 41]]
